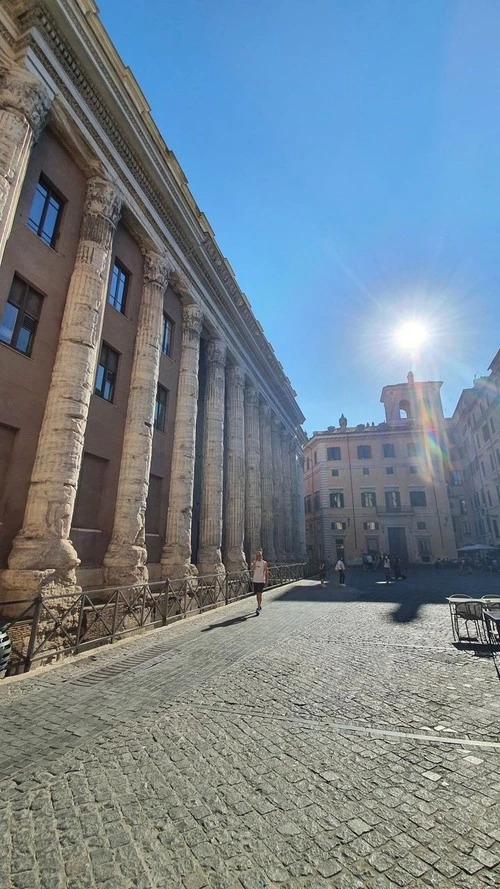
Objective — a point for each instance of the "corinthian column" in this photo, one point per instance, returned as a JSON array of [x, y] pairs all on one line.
[[42, 554], [286, 493], [24, 104], [266, 482], [279, 531], [234, 495], [252, 474], [176, 556], [125, 560], [209, 554]]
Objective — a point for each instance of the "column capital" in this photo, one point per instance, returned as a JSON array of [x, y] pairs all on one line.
[[216, 352], [103, 203], [192, 317], [265, 410], [236, 375], [251, 393], [157, 269], [21, 91]]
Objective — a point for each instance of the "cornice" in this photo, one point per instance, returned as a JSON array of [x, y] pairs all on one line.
[[192, 236]]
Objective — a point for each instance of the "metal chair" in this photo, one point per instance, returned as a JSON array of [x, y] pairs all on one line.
[[467, 610]]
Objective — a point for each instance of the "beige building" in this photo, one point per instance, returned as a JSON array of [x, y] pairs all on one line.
[[475, 461], [382, 488], [147, 429]]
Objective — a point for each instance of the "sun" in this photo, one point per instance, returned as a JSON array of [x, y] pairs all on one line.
[[411, 335]]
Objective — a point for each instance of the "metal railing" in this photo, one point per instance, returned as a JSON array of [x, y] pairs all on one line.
[[49, 627]]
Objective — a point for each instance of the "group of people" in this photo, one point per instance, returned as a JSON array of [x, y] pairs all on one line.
[[391, 567]]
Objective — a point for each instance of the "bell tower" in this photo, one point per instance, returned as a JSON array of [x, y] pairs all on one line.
[[419, 402]]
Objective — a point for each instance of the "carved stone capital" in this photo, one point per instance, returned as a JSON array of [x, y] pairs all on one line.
[[216, 352], [251, 394], [22, 92], [276, 424], [285, 436], [192, 318], [157, 269], [265, 411], [236, 376], [101, 212]]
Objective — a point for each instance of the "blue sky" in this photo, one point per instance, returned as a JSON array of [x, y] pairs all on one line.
[[346, 154]]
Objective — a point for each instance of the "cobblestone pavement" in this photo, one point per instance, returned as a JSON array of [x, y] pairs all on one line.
[[338, 740]]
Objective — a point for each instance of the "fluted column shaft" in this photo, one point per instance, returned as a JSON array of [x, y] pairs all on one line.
[[125, 560], [302, 552], [266, 483], [42, 553], [209, 554], [24, 104], [176, 556], [279, 531], [234, 495], [286, 494], [252, 472], [292, 454]]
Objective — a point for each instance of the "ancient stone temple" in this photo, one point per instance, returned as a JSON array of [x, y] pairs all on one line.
[[147, 429]]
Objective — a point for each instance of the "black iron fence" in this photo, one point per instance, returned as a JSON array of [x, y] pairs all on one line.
[[50, 627]]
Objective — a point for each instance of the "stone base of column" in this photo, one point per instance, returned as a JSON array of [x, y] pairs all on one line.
[[26, 578], [125, 565], [176, 567], [210, 562], [235, 561]]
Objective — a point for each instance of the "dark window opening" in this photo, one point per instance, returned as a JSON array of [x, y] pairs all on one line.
[[45, 212], [160, 408], [106, 373], [118, 286], [20, 317]]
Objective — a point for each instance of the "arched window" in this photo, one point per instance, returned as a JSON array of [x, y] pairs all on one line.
[[404, 409]]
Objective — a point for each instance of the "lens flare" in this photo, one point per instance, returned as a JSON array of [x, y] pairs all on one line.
[[411, 335]]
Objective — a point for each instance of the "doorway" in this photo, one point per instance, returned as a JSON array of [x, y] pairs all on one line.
[[397, 544]]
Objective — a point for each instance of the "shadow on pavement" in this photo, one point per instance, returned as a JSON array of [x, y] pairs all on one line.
[[423, 586], [228, 623]]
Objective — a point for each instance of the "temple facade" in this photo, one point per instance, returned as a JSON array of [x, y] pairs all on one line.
[[147, 429]]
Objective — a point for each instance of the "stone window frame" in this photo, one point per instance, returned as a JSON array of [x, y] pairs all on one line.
[[416, 496], [109, 373], [334, 453], [118, 302], [37, 226], [161, 408], [337, 500], [25, 320], [364, 452]]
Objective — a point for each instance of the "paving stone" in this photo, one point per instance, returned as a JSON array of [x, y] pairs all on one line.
[[254, 768]]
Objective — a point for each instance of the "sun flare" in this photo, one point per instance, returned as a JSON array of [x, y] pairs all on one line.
[[411, 335]]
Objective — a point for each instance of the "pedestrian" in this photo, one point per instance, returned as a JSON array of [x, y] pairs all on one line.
[[387, 569], [340, 567], [260, 577], [398, 574], [369, 561], [322, 573]]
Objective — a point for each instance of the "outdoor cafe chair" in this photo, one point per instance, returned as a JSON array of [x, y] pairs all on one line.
[[469, 611]]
